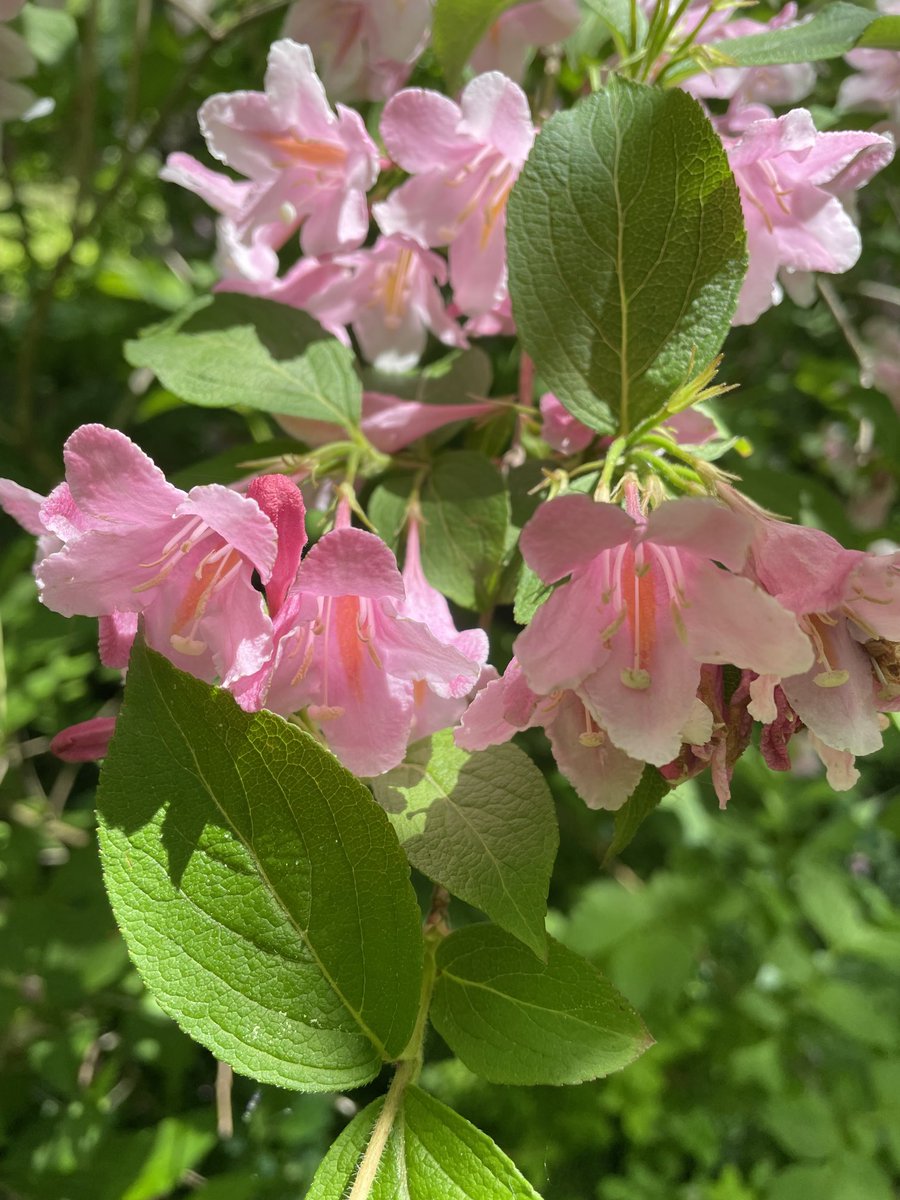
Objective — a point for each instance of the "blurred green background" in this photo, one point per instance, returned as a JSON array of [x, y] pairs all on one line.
[[762, 945]]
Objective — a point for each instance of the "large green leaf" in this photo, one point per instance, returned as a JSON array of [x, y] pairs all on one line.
[[431, 1154], [466, 510], [512, 1019], [260, 889], [458, 26], [239, 350], [626, 251], [483, 825], [882, 34], [831, 32]]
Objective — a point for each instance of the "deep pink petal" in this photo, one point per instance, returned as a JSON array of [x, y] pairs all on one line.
[[23, 506], [281, 501], [85, 742]]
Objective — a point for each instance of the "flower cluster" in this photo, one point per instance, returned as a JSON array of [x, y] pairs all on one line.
[[369, 656], [658, 644]]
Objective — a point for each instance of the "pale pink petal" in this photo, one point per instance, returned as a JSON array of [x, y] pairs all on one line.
[[728, 619], [478, 262], [112, 480], [602, 775], [702, 526], [99, 573], [427, 207], [117, 634], [495, 112], [842, 715], [371, 732], [237, 520], [566, 534], [873, 595], [409, 651], [840, 770], [560, 430], [419, 129], [645, 722], [806, 570], [351, 562], [225, 195], [296, 92], [23, 506], [763, 706], [564, 642], [338, 221], [61, 515]]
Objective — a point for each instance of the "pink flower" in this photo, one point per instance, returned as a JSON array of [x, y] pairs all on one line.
[[791, 178], [132, 543], [782, 84], [645, 607], [848, 604], [309, 167], [346, 653], [464, 160], [364, 48], [876, 85], [389, 422], [425, 604], [603, 775], [560, 430], [508, 44], [391, 300]]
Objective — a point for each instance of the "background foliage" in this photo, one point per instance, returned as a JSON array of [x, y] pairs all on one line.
[[761, 945]]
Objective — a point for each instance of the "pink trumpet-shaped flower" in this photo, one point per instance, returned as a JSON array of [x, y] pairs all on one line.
[[132, 543], [791, 179], [390, 297], [308, 167], [390, 422], [603, 775], [464, 159], [646, 605], [364, 48], [347, 655], [509, 42], [848, 604]]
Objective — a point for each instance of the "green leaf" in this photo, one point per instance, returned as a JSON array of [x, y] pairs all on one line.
[[830, 33], [466, 510], [626, 251], [636, 809], [882, 34], [531, 593], [458, 26], [49, 33], [431, 1154], [483, 825], [512, 1019], [260, 889], [239, 350], [457, 377]]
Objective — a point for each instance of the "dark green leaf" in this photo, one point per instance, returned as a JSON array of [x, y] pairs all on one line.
[[831, 32], [512, 1019], [239, 350], [465, 509], [626, 251], [260, 889], [454, 379], [458, 26], [431, 1154], [636, 809], [483, 825]]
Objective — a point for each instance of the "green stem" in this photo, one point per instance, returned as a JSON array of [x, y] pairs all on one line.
[[613, 454], [371, 1160]]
